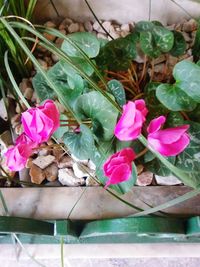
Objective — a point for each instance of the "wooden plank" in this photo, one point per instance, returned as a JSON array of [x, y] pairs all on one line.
[[95, 203]]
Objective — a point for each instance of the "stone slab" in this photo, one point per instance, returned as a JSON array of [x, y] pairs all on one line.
[[94, 203]]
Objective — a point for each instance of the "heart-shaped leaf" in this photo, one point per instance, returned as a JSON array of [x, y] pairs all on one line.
[[148, 44], [86, 41], [187, 75], [81, 145], [95, 106], [61, 130], [174, 119], [164, 38], [157, 167], [173, 98], [179, 46], [117, 89]]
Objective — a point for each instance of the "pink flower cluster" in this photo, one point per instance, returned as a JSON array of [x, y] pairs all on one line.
[[168, 142], [39, 124]]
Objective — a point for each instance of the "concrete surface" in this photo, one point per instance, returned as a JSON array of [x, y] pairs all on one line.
[[122, 11], [153, 262]]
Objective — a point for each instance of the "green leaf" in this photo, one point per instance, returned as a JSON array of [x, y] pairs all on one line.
[[148, 45], [81, 145], [154, 106], [95, 106], [164, 38], [117, 89], [189, 159], [157, 167], [174, 119], [144, 26], [179, 46], [86, 41], [43, 90], [196, 46], [117, 54], [61, 130], [187, 75], [173, 98]]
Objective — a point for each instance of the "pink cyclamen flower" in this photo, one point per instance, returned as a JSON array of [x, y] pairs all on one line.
[[41, 122], [130, 124], [24, 139], [17, 156], [169, 142], [118, 167]]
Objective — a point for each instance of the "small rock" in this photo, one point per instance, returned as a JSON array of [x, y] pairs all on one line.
[[96, 26], [91, 165], [190, 26], [29, 163], [107, 26], [66, 162], [124, 33], [81, 27], [83, 161], [28, 93], [67, 177], [144, 179], [125, 27], [43, 151], [43, 64], [66, 22], [3, 111], [168, 180], [18, 109], [80, 171], [88, 26], [19, 129], [187, 37], [15, 120], [74, 27], [102, 36], [91, 182], [25, 83], [172, 61], [34, 97], [50, 24], [51, 172], [49, 36], [5, 141], [44, 161], [159, 68], [55, 58], [58, 153], [114, 35], [37, 174], [59, 42], [171, 27]]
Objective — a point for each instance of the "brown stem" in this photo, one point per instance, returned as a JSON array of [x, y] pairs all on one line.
[[141, 153], [138, 96], [152, 70], [143, 69], [185, 115]]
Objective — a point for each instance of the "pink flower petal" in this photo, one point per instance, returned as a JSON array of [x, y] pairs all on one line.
[[170, 135], [156, 124], [120, 174]]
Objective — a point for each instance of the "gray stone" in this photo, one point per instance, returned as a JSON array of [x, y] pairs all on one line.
[[168, 180], [125, 27], [3, 111], [74, 27], [144, 178], [65, 162], [67, 177], [44, 161], [189, 26], [88, 26]]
